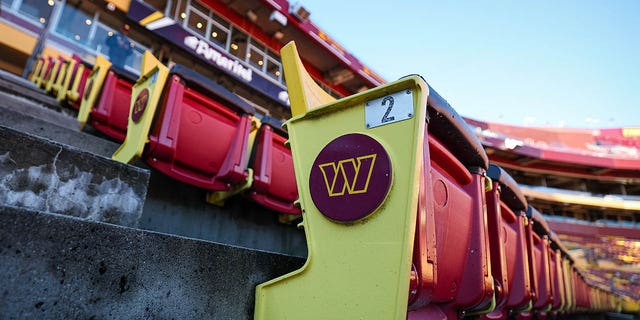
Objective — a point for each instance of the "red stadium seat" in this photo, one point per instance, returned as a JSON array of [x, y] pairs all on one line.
[[451, 253], [506, 206], [274, 181], [539, 261], [110, 114], [81, 72], [557, 275], [200, 134]]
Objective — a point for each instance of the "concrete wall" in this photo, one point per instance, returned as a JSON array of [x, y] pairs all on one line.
[[60, 267]]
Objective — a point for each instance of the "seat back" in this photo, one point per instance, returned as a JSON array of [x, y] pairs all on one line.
[[505, 193], [540, 272], [458, 165], [75, 93], [274, 181], [110, 113]]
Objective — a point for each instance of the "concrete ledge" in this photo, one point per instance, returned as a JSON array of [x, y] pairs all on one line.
[[16, 85], [59, 267], [29, 117], [48, 176]]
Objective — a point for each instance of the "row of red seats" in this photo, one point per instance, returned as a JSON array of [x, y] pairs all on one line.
[[65, 79], [203, 134], [480, 249]]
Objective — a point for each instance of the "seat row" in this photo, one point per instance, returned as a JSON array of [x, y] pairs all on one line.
[[197, 131], [479, 250]]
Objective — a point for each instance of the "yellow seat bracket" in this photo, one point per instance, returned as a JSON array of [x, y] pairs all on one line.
[[145, 97], [358, 178], [92, 88]]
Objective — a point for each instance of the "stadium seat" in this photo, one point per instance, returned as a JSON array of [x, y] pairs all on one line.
[[37, 70], [557, 275], [506, 207], [274, 181], [539, 260], [57, 71], [111, 112], [77, 83], [200, 132], [461, 281], [45, 70], [105, 104]]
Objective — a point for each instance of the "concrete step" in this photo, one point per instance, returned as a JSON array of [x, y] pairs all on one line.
[[27, 116], [44, 175], [18, 86], [60, 267]]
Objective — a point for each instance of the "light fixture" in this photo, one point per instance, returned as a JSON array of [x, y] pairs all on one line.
[[51, 3], [252, 15], [234, 46], [88, 22], [183, 15], [199, 25], [77, 37], [279, 17], [111, 6], [260, 62], [214, 34], [278, 35], [110, 33]]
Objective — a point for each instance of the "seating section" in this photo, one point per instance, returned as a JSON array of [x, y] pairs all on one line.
[[479, 248]]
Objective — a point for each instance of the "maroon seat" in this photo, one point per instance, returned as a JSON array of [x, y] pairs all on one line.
[[539, 260], [451, 252], [557, 275], [200, 133], [274, 181], [75, 99], [110, 114]]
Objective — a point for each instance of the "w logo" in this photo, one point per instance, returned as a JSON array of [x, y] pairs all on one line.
[[349, 176]]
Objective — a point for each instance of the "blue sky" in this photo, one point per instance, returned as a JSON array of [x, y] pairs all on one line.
[[543, 63]]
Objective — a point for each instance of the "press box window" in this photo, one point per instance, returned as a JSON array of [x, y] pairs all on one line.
[[197, 22], [219, 31]]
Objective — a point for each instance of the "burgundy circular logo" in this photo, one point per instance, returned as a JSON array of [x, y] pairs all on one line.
[[350, 177], [140, 105], [87, 90]]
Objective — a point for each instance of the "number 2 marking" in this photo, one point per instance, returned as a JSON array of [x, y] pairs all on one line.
[[385, 117]]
